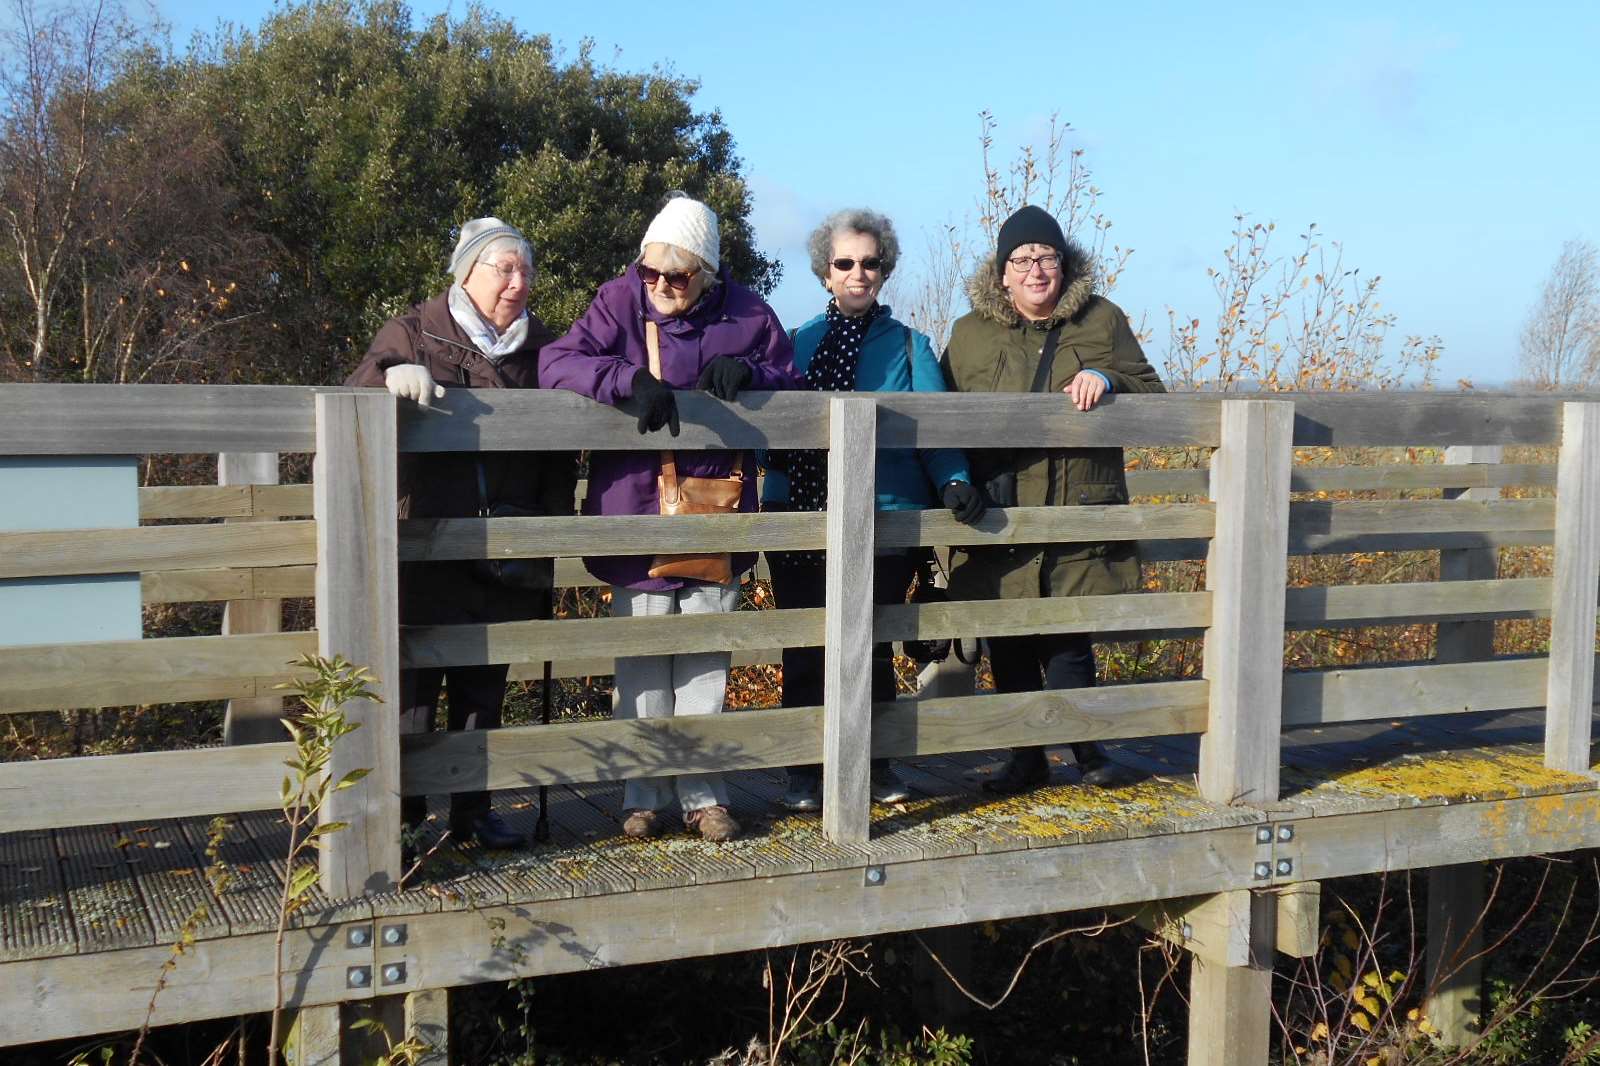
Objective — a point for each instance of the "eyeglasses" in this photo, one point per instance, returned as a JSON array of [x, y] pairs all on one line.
[[677, 280], [506, 273], [871, 264], [1023, 264]]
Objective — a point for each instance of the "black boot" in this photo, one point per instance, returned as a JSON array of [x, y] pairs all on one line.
[[1097, 770], [486, 827], [1026, 769]]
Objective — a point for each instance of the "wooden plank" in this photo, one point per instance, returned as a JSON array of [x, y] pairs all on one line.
[[1230, 1007], [118, 673], [194, 586], [1215, 928], [152, 419], [1454, 1003], [847, 626], [121, 551], [106, 909], [1321, 606], [171, 880], [162, 502], [1320, 697], [1332, 526], [52, 793], [1246, 572], [1299, 927], [358, 618], [282, 501], [428, 1021], [313, 1038], [35, 921], [1166, 551], [432, 539], [603, 665], [253, 720], [1570, 690]]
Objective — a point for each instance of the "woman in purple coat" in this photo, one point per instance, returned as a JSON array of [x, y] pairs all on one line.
[[714, 334]]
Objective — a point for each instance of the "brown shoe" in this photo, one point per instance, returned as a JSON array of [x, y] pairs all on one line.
[[642, 824], [714, 823]]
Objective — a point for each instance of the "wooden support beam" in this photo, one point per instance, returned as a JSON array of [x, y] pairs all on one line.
[[1246, 571], [847, 625], [1454, 1004], [313, 1038], [427, 1018], [254, 720], [1230, 1007], [1569, 698], [358, 617], [1455, 892], [1216, 928], [1299, 919]]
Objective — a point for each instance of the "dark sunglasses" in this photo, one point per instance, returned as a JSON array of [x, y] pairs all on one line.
[[871, 264], [678, 280]]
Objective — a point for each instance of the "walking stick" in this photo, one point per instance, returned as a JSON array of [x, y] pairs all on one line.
[[541, 828]]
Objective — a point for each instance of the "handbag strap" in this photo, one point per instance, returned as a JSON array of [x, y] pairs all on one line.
[[669, 459], [1047, 356]]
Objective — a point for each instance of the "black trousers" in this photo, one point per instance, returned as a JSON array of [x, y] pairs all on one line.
[[477, 694], [797, 584], [1045, 661]]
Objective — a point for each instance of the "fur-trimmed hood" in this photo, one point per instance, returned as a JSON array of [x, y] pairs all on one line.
[[991, 301]]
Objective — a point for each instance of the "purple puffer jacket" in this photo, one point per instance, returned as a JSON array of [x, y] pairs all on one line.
[[599, 357]]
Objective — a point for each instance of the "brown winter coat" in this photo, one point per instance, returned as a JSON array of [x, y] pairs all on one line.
[[994, 349], [445, 484]]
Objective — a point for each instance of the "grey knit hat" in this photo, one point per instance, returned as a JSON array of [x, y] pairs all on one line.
[[475, 239]]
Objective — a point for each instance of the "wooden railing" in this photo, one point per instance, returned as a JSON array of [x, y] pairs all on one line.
[[1242, 519]]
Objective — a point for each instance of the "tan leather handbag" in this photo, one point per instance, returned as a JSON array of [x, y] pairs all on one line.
[[692, 495]]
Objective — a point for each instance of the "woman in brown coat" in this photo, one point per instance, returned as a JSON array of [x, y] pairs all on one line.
[[478, 334]]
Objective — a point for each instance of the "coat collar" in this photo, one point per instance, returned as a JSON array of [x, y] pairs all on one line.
[[990, 300]]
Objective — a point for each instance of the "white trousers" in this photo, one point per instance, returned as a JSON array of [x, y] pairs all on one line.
[[673, 686]]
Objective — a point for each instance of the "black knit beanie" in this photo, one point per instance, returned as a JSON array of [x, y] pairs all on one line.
[[1029, 225]]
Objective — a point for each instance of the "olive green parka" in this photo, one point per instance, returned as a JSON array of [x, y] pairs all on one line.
[[995, 349]]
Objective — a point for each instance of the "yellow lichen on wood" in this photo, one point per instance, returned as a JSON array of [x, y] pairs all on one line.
[[1457, 777]]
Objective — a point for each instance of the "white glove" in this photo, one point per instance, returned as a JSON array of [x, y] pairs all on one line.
[[409, 381]]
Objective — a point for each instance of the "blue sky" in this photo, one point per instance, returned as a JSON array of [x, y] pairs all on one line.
[[1450, 147]]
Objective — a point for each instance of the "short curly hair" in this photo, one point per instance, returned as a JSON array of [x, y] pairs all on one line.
[[853, 220]]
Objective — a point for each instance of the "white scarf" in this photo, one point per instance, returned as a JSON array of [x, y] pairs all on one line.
[[492, 343]]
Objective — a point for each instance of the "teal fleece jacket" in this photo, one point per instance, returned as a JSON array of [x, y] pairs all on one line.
[[907, 479]]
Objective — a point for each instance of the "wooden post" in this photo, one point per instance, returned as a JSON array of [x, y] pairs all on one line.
[[1569, 699], [1246, 571], [314, 1037], [1455, 893], [358, 617], [847, 640], [1230, 1007], [251, 721], [428, 1019]]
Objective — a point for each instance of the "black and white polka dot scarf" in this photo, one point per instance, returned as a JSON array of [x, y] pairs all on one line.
[[832, 369]]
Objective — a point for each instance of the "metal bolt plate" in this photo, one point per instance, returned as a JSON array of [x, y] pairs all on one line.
[[1285, 832], [394, 935], [357, 936], [1263, 834], [358, 977], [1285, 867], [394, 973], [1263, 871], [875, 876]]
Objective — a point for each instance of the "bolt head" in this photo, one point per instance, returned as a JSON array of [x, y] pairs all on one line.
[[1263, 834], [358, 976], [1188, 931], [1285, 832], [359, 937], [394, 973], [1263, 871], [394, 934], [1285, 867], [874, 875]]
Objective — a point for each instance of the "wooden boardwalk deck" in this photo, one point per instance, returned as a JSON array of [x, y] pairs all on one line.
[[105, 888]]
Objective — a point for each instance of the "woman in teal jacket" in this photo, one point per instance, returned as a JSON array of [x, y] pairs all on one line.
[[856, 345]]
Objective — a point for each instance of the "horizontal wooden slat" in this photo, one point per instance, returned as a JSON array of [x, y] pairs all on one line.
[[161, 502], [474, 538], [586, 638], [612, 751], [1361, 605], [144, 419], [600, 665], [198, 586], [1383, 477], [1355, 695], [190, 547], [55, 793], [45, 677], [1325, 526]]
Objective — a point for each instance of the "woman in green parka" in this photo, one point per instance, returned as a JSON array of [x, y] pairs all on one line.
[[1036, 325]]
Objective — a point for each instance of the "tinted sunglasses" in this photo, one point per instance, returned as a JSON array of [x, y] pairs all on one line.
[[677, 280], [870, 264]]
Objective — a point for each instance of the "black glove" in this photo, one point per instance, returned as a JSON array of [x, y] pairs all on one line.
[[964, 500], [724, 376], [657, 406]]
